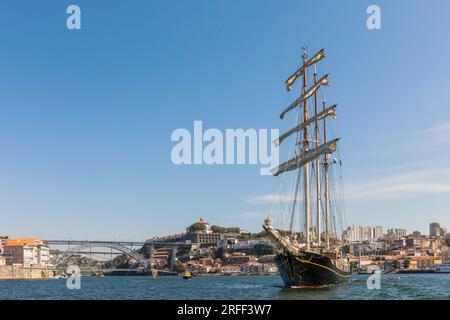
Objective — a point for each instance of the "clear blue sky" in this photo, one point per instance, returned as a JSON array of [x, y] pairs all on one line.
[[86, 116]]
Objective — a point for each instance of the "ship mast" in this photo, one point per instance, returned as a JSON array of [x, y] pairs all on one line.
[[317, 137], [305, 150], [325, 193]]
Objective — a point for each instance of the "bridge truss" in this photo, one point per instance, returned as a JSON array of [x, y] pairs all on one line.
[[101, 244]]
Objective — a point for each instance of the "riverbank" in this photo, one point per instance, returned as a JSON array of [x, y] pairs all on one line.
[[19, 272]]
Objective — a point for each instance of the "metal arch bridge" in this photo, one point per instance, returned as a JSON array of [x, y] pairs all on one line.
[[104, 244]]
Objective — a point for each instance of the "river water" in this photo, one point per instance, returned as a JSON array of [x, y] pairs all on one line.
[[406, 286]]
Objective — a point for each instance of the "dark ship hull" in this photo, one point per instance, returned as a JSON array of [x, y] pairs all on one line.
[[309, 270]]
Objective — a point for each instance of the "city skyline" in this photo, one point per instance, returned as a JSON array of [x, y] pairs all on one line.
[[86, 116]]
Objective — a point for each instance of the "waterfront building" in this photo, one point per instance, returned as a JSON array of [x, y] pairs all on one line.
[[416, 234], [205, 227], [206, 261], [217, 263], [161, 257], [399, 244], [414, 243], [250, 244], [251, 267], [227, 243], [203, 237], [362, 233], [399, 252], [3, 240], [231, 269], [258, 268], [196, 267], [377, 233], [43, 256], [269, 268], [240, 259], [425, 243], [445, 254], [270, 258], [203, 234], [366, 247], [27, 252], [395, 233], [423, 262], [205, 268], [436, 230]]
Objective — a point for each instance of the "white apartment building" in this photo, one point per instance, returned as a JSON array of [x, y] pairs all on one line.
[[28, 252], [363, 233]]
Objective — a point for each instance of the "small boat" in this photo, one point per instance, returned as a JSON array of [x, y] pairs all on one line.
[[442, 268], [186, 275]]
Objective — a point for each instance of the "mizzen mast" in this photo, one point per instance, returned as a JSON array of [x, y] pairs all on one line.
[[326, 190]]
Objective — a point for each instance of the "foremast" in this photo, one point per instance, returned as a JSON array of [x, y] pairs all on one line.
[[310, 154], [304, 151]]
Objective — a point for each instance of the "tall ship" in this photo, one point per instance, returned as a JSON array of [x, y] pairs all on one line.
[[309, 247]]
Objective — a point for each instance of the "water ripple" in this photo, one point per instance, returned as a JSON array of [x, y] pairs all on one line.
[[393, 287]]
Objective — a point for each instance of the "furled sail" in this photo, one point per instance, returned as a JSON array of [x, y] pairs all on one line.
[[322, 82], [290, 81], [331, 111], [301, 160]]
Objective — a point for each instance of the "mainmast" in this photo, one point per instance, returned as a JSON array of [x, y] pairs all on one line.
[[305, 150], [317, 137]]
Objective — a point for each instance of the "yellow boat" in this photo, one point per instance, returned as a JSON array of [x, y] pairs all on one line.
[[186, 275]]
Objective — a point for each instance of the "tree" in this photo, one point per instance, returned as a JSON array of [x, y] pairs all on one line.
[[406, 264], [217, 229], [197, 227], [233, 230], [219, 253], [396, 264]]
